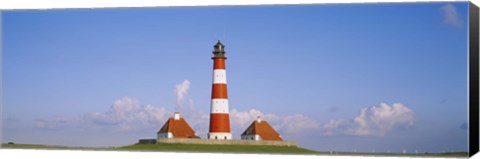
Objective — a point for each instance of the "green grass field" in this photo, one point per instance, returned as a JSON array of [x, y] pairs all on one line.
[[218, 148], [227, 149]]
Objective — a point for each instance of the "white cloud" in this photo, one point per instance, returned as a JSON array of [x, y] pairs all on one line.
[[450, 15], [127, 114], [180, 91], [244, 118], [295, 123], [190, 104], [124, 114], [197, 119], [288, 124], [332, 125], [373, 121]]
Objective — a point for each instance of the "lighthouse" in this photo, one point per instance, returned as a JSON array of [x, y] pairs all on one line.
[[219, 114]]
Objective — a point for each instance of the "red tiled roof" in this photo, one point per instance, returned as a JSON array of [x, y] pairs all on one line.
[[263, 129], [178, 128]]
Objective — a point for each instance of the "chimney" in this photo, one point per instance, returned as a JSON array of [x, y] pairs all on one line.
[[258, 119], [176, 116]]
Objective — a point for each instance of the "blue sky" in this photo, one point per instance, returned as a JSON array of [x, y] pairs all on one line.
[[365, 77]]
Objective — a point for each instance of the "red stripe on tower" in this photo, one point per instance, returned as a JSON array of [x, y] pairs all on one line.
[[219, 116]]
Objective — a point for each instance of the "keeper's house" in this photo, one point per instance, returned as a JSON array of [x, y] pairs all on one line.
[[260, 130], [176, 127]]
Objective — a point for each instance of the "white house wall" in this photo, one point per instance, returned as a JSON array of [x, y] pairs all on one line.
[[165, 135]]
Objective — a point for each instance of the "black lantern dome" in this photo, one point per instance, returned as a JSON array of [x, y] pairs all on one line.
[[219, 50]]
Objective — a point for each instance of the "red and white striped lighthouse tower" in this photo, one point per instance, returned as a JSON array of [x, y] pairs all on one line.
[[219, 116]]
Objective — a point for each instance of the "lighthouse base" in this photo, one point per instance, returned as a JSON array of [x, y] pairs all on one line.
[[219, 136]]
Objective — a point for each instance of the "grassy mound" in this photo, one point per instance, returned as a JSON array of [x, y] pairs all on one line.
[[218, 148]]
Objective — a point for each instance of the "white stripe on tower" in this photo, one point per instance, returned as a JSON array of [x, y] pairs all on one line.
[[219, 106], [219, 76]]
